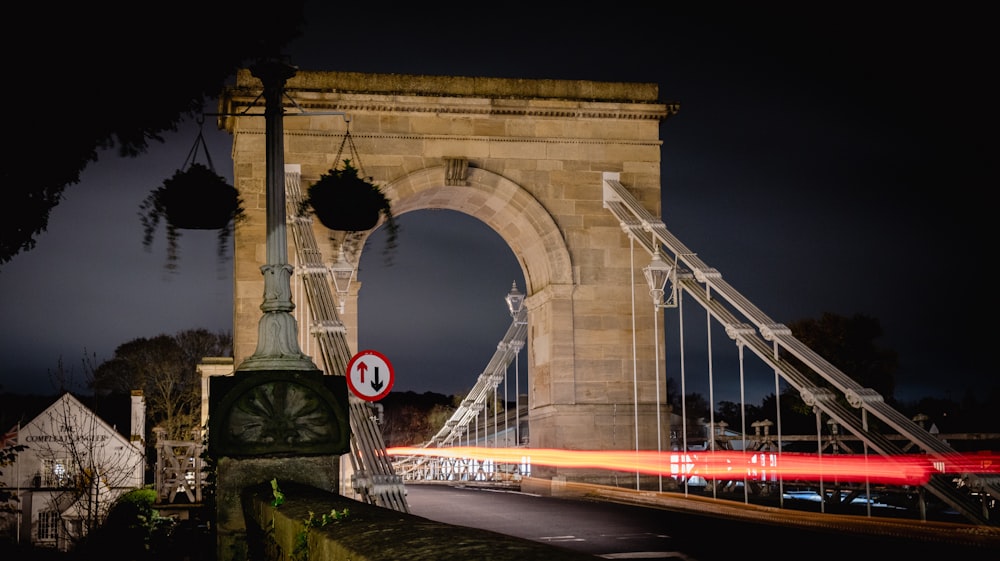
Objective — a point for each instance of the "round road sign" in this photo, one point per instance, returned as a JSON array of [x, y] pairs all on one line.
[[370, 375]]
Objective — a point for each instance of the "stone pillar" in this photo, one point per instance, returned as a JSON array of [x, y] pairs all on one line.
[[283, 425]]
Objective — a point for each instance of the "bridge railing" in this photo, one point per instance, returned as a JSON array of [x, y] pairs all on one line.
[[482, 470], [483, 397]]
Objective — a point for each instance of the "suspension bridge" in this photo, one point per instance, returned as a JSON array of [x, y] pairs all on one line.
[[947, 475], [521, 156], [487, 439]]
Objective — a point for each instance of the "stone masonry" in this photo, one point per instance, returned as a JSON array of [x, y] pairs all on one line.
[[526, 158]]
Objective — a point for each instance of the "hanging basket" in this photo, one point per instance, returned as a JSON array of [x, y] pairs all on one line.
[[194, 198], [198, 199], [342, 200]]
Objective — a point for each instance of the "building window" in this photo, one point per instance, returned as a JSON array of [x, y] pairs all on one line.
[[48, 525], [55, 473]]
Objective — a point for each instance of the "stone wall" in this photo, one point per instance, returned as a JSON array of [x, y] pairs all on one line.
[[370, 533]]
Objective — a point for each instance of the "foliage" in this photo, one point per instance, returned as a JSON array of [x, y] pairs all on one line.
[[133, 510], [194, 198], [849, 343], [116, 107], [793, 420], [410, 418], [210, 467], [165, 368], [133, 529], [343, 200], [300, 551], [974, 412], [8, 455], [279, 497], [695, 405]]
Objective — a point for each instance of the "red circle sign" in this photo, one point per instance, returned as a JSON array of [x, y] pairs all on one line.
[[370, 375]]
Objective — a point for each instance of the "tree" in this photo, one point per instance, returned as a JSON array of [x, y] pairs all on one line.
[[96, 77], [695, 404], [795, 418], [128, 527], [410, 419], [8, 455], [165, 368], [849, 343], [975, 412]]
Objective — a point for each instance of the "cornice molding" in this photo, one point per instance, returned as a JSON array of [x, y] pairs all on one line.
[[249, 102], [462, 138]]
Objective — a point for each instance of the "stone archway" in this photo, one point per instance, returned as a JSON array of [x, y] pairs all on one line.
[[504, 206], [526, 157], [533, 236]]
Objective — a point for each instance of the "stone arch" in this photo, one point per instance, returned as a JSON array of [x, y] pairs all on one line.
[[537, 243], [502, 205]]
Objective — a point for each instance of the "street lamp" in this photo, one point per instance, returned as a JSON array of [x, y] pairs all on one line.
[[343, 274], [657, 273], [515, 300]]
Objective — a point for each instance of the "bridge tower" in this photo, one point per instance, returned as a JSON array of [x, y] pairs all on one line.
[[527, 158]]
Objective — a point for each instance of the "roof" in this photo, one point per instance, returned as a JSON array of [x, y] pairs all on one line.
[[115, 410]]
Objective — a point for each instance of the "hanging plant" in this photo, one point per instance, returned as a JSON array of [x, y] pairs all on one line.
[[343, 200], [195, 198]]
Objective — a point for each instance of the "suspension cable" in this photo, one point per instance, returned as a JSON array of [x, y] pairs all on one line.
[[743, 419], [684, 445], [777, 407], [711, 380], [635, 374]]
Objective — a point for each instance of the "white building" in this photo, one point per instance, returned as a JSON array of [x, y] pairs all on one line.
[[72, 469]]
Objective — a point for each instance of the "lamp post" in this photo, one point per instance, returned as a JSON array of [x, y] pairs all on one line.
[[270, 386], [657, 273], [515, 301], [277, 331]]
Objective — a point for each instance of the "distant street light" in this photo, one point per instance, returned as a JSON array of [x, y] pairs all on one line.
[[657, 273], [515, 300]]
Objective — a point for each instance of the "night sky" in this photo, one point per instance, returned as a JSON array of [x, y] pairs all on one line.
[[821, 165]]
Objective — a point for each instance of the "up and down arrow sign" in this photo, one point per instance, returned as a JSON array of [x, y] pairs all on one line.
[[370, 375]]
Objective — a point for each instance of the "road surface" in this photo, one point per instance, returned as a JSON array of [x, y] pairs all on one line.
[[619, 531]]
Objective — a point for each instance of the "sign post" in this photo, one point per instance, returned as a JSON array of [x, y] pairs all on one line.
[[370, 375]]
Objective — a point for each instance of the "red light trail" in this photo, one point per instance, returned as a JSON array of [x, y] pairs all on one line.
[[911, 469]]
